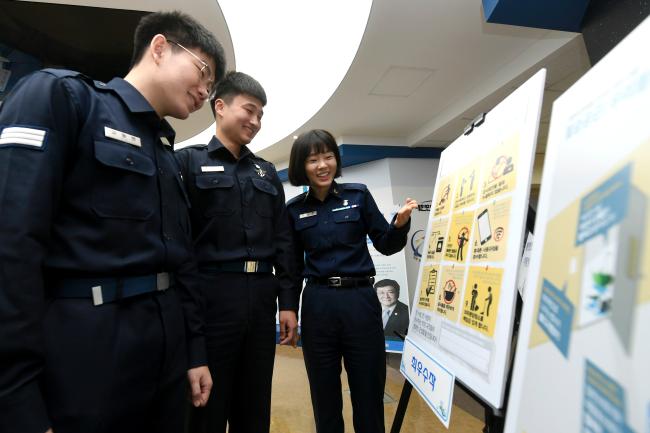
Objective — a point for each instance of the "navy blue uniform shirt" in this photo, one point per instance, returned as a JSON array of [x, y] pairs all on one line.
[[87, 189], [238, 212], [332, 234]]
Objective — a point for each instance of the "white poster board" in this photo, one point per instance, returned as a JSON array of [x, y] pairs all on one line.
[[463, 308], [583, 356]]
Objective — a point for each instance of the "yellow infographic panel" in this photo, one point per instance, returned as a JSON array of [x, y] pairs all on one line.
[[481, 298], [443, 197], [427, 295], [451, 286], [491, 231], [437, 240], [467, 186], [500, 168], [458, 236], [463, 308]]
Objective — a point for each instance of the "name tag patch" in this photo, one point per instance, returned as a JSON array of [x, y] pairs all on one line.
[[122, 136], [211, 168], [352, 206], [25, 136], [307, 214]]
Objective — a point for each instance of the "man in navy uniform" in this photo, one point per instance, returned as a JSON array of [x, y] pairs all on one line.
[[97, 289], [241, 233]]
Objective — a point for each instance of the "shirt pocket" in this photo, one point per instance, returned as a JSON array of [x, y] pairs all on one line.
[[308, 232], [124, 185], [216, 194], [348, 227], [264, 196]]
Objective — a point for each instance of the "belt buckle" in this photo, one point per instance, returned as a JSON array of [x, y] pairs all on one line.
[[250, 266], [162, 281], [334, 281], [98, 296]]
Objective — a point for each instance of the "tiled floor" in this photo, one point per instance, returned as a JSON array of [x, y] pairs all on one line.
[[291, 410]]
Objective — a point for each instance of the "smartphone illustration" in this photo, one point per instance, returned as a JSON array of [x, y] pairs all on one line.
[[484, 229]]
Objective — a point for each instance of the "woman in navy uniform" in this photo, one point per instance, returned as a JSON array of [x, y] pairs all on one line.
[[341, 315]]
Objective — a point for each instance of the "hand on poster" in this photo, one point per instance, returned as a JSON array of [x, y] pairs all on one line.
[[404, 213]]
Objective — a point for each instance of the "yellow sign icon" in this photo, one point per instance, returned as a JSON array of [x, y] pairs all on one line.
[[437, 240], [491, 232], [500, 169], [443, 197], [428, 285], [481, 300], [448, 297], [458, 237]]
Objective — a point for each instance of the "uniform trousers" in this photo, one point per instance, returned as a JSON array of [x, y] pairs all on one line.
[[240, 335], [344, 323], [117, 367]]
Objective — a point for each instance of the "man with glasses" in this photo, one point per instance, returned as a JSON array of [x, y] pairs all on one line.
[[99, 298], [205, 72], [241, 235]]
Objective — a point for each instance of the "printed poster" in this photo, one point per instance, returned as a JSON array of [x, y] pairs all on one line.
[[587, 301], [463, 309]]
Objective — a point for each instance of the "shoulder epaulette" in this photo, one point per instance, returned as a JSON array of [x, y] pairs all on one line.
[[63, 73], [354, 186], [297, 198], [193, 146]]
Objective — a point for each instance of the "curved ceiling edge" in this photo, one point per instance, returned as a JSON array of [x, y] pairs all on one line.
[[300, 56]]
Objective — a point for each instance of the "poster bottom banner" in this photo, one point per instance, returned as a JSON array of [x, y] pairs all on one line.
[[433, 381]]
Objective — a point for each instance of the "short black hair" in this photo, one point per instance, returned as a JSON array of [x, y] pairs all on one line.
[[236, 83], [181, 28], [314, 141], [388, 282]]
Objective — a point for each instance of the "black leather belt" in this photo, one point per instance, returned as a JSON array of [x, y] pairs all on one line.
[[243, 266], [342, 282], [104, 290]]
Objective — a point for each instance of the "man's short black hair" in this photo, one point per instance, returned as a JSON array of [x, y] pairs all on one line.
[[388, 282], [314, 141], [237, 83], [178, 27]]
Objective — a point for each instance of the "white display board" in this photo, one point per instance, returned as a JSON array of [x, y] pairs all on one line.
[[463, 307], [583, 356]]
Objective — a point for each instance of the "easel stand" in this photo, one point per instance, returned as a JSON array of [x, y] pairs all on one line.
[[494, 418]]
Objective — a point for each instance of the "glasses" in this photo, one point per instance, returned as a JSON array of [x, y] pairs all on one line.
[[204, 69]]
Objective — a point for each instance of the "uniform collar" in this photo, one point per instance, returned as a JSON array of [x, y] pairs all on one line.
[[335, 191], [215, 145], [137, 103], [130, 95]]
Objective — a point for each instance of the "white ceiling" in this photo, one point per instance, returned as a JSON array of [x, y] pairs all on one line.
[[424, 69]]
